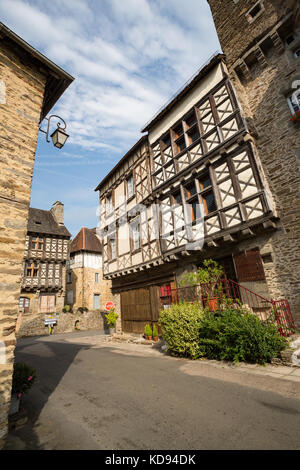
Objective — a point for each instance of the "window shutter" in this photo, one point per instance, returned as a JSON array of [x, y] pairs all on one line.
[[249, 266]]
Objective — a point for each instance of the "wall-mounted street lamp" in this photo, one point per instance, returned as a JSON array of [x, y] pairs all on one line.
[[59, 136]]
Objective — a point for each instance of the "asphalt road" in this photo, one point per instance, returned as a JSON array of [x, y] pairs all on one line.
[[93, 395]]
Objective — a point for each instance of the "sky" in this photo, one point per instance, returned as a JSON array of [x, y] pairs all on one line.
[[128, 57]]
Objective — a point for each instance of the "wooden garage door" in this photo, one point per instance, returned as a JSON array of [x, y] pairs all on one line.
[[138, 307], [47, 304]]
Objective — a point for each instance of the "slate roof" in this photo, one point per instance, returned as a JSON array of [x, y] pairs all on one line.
[[86, 240], [41, 221]]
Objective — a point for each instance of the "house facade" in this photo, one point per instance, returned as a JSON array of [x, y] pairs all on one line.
[[85, 286], [205, 195], [44, 272], [261, 40], [30, 85]]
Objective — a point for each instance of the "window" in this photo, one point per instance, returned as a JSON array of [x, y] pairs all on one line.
[[135, 234], [109, 204], [297, 53], [37, 243], [112, 247], [32, 269], [69, 277], [255, 12], [192, 200], [177, 198], [207, 195], [179, 138], [24, 303], [289, 39], [130, 186], [294, 101], [96, 301], [97, 277], [192, 131]]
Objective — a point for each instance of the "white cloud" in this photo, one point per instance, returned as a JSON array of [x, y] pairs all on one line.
[[127, 58]]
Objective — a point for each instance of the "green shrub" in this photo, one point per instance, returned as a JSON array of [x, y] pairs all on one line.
[[233, 333], [24, 377], [180, 325], [111, 318], [154, 332], [237, 335], [66, 308]]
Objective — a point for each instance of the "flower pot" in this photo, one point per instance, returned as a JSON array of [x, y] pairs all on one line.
[[155, 338], [213, 304], [14, 404], [112, 331], [149, 338]]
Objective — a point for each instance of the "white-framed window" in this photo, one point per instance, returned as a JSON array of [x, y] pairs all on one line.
[[135, 234], [130, 186], [294, 101], [96, 301], [97, 277]]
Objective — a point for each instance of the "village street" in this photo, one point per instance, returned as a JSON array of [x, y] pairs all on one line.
[[94, 394]]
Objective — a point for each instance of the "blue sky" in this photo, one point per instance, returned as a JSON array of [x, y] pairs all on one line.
[[128, 58]]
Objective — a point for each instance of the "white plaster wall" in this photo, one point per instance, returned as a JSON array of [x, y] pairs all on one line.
[[203, 87]]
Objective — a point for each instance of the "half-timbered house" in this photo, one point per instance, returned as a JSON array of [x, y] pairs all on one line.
[[46, 253], [191, 189]]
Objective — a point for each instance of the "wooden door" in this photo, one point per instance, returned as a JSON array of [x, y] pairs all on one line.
[[47, 303], [136, 310]]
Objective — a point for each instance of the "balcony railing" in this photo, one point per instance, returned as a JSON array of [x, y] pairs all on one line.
[[212, 295]]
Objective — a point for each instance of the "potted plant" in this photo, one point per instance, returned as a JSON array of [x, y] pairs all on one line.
[[148, 332], [155, 333], [66, 309], [111, 319], [208, 277], [24, 377]]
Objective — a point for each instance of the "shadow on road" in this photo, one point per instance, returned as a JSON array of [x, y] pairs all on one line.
[[51, 358]]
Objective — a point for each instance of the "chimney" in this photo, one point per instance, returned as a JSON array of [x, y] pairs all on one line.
[[57, 210]]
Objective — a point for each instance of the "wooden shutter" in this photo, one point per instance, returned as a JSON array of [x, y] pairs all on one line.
[[249, 266]]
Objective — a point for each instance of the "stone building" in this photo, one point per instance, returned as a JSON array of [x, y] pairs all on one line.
[[85, 284], [44, 272], [193, 188], [30, 85], [261, 41]]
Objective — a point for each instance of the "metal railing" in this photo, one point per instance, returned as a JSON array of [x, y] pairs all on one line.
[[213, 294]]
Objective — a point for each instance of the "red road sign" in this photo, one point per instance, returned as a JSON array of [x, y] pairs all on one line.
[[109, 305]]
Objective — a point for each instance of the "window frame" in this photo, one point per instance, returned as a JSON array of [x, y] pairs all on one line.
[[33, 268], [128, 195], [135, 224]]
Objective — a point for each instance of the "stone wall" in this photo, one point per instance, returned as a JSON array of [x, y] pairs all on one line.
[[20, 110], [263, 96], [84, 287], [33, 325]]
